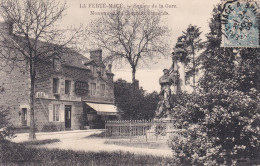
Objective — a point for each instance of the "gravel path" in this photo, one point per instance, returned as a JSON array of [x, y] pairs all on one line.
[[76, 140]]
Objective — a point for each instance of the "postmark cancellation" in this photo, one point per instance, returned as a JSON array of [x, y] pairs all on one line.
[[240, 24]]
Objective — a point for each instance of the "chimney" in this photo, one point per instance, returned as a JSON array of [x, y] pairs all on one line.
[[6, 27], [110, 68], [10, 27], [96, 55]]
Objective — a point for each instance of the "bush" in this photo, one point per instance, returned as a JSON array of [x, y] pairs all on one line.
[[226, 130], [49, 127], [6, 129]]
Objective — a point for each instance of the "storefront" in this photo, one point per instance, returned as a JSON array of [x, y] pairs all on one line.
[[98, 113]]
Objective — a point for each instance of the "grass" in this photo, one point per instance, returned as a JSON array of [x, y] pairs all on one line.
[[22, 154], [40, 142]]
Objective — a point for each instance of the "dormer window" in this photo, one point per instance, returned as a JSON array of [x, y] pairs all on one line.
[[56, 64]]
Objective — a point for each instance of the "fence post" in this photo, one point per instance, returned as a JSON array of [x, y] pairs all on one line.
[[156, 134], [119, 131], [145, 133], [106, 129], [130, 131]]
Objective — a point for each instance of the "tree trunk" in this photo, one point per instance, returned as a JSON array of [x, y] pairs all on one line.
[[32, 135], [133, 81], [194, 68]]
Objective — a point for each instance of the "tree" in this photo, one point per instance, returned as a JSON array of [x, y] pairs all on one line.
[[141, 106], [221, 123], [193, 44], [131, 34], [33, 35]]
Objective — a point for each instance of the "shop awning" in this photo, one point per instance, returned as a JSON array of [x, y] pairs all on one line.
[[104, 109]]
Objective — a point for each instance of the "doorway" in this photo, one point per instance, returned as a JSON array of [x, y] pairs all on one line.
[[68, 116], [24, 117]]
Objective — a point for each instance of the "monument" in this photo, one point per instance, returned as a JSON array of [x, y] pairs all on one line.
[[173, 78]]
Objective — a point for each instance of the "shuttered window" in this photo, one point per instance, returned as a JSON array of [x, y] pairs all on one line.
[[55, 85], [102, 89], [67, 86], [56, 112]]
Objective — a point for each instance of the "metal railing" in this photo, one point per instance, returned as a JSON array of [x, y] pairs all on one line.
[[136, 129]]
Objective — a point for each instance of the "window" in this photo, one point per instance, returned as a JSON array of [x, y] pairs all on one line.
[[94, 69], [55, 85], [102, 71], [102, 89], [67, 86], [56, 112], [93, 89]]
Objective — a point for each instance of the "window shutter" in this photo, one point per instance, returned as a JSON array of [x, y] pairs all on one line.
[[28, 117], [50, 113], [62, 115]]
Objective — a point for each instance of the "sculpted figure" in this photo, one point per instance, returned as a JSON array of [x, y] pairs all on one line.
[[170, 77], [165, 82]]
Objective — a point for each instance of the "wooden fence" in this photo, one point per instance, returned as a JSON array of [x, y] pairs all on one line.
[[134, 129]]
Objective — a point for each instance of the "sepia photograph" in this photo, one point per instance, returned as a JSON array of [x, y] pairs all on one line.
[[129, 83]]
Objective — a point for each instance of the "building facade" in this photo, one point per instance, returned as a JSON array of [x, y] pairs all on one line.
[[71, 92]]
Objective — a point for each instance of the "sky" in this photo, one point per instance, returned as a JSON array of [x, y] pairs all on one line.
[[185, 12]]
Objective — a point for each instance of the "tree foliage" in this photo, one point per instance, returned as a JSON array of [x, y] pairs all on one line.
[[193, 44], [221, 123], [141, 106], [6, 129]]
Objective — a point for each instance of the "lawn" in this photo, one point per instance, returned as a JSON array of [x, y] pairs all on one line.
[[27, 154]]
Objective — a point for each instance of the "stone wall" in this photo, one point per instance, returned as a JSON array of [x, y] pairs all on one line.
[[42, 115], [15, 93]]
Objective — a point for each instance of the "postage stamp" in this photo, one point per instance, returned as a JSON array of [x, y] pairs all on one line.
[[240, 24]]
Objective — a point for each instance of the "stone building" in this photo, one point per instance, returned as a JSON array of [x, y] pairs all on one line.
[[72, 92]]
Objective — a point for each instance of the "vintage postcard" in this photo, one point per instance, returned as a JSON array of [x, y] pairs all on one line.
[[142, 82]]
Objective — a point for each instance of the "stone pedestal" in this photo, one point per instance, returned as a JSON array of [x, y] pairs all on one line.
[[164, 123], [162, 129]]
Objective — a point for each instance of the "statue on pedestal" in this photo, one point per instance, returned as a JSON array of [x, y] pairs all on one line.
[[165, 106], [174, 76]]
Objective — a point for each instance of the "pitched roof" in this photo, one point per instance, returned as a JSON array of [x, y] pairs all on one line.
[[72, 58], [67, 55]]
